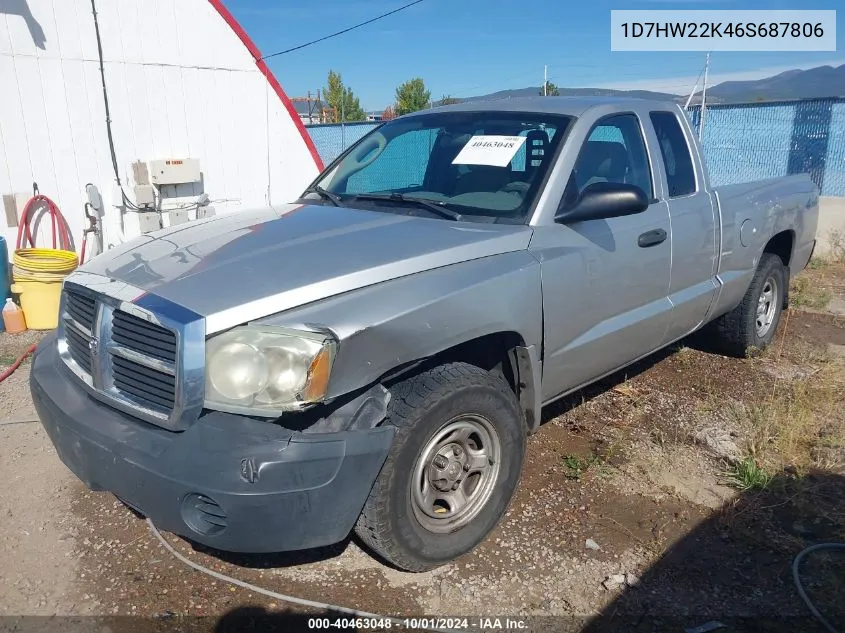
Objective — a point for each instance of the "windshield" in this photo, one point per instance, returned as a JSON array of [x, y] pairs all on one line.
[[479, 165]]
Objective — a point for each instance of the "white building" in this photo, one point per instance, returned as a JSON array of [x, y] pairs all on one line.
[[182, 81]]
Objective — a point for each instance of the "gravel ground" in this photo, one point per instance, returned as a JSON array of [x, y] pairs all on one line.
[[15, 403], [621, 514]]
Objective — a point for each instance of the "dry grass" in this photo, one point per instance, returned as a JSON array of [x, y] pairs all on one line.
[[804, 292], [836, 240], [823, 279], [801, 425]]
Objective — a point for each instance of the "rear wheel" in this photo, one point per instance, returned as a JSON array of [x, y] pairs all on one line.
[[751, 326], [451, 471]]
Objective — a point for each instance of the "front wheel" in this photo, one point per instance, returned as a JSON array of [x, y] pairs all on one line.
[[451, 471]]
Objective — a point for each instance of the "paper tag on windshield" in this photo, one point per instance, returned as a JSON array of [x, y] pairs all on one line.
[[496, 151]]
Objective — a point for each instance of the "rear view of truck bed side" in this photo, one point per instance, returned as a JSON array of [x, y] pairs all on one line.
[[778, 215]]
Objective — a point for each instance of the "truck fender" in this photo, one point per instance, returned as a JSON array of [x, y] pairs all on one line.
[[387, 329], [528, 374]]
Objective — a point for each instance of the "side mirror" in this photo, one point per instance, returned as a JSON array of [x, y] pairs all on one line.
[[604, 200]]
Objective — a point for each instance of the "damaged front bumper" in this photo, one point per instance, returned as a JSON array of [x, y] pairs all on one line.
[[230, 482]]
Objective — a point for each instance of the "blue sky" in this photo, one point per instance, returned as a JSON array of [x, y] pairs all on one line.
[[470, 47]]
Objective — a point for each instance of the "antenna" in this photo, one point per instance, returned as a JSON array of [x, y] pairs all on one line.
[[694, 90], [704, 97], [546, 80]]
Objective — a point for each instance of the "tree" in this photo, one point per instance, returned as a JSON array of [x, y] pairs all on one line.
[[341, 102], [388, 114], [448, 100], [412, 96], [551, 90]]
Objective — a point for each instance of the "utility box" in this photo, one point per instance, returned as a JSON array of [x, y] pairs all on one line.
[[149, 221], [137, 223], [14, 205], [174, 171], [205, 212], [144, 195], [172, 218]]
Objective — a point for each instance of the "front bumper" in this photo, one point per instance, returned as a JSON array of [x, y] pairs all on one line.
[[229, 482]]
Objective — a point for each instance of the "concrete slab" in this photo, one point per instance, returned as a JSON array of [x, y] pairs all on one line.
[[837, 306], [831, 230], [837, 351]]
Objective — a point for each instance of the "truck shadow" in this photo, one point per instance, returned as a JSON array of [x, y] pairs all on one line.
[[254, 619], [276, 560], [699, 341], [593, 390], [735, 568]]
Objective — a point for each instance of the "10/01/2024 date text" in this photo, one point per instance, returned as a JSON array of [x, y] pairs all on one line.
[[421, 623]]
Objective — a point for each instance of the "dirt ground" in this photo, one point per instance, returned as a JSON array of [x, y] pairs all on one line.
[[624, 519]]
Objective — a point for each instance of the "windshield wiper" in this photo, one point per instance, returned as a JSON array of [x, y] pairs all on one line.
[[332, 197], [438, 208]]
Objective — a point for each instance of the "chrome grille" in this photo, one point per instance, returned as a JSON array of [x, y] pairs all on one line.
[[79, 321], [143, 361], [82, 310], [153, 387], [132, 357], [145, 337], [78, 346]]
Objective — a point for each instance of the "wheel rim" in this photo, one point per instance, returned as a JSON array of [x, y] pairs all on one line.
[[767, 305], [456, 473]]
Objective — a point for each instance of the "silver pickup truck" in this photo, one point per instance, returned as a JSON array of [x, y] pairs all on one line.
[[373, 356]]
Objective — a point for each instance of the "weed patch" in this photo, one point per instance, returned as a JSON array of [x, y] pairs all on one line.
[[748, 475], [576, 467], [817, 263], [804, 293], [836, 239]]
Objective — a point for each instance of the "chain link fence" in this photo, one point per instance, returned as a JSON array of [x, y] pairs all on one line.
[[753, 141], [742, 142], [331, 139]]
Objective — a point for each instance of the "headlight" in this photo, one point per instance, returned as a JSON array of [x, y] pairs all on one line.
[[265, 370]]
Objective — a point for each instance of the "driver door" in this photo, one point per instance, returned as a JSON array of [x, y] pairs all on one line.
[[605, 282]]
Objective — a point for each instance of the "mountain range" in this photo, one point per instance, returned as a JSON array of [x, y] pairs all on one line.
[[822, 81]]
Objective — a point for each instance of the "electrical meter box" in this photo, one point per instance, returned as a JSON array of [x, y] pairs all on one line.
[[174, 171]]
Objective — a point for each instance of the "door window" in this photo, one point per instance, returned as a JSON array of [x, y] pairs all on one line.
[[613, 152]]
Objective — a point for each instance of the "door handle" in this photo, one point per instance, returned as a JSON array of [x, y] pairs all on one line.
[[651, 238]]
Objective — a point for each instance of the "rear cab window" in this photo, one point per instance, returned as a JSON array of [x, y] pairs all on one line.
[[680, 174]]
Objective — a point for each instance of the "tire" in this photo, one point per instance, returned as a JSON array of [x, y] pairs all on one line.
[[739, 332], [417, 528]]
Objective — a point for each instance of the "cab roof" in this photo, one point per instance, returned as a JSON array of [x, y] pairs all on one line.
[[572, 106]]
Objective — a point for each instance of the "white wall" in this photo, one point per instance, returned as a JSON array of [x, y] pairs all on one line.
[[181, 83]]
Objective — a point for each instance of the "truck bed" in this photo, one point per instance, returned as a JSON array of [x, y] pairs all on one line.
[[750, 214]]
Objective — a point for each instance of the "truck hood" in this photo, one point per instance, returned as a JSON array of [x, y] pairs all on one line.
[[234, 268]]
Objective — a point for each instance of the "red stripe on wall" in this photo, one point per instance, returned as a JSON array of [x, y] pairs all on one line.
[[268, 74]]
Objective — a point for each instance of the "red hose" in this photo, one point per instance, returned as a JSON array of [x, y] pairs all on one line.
[[17, 363], [57, 220]]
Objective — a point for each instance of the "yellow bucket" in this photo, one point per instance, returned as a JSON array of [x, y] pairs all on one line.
[[38, 274]]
